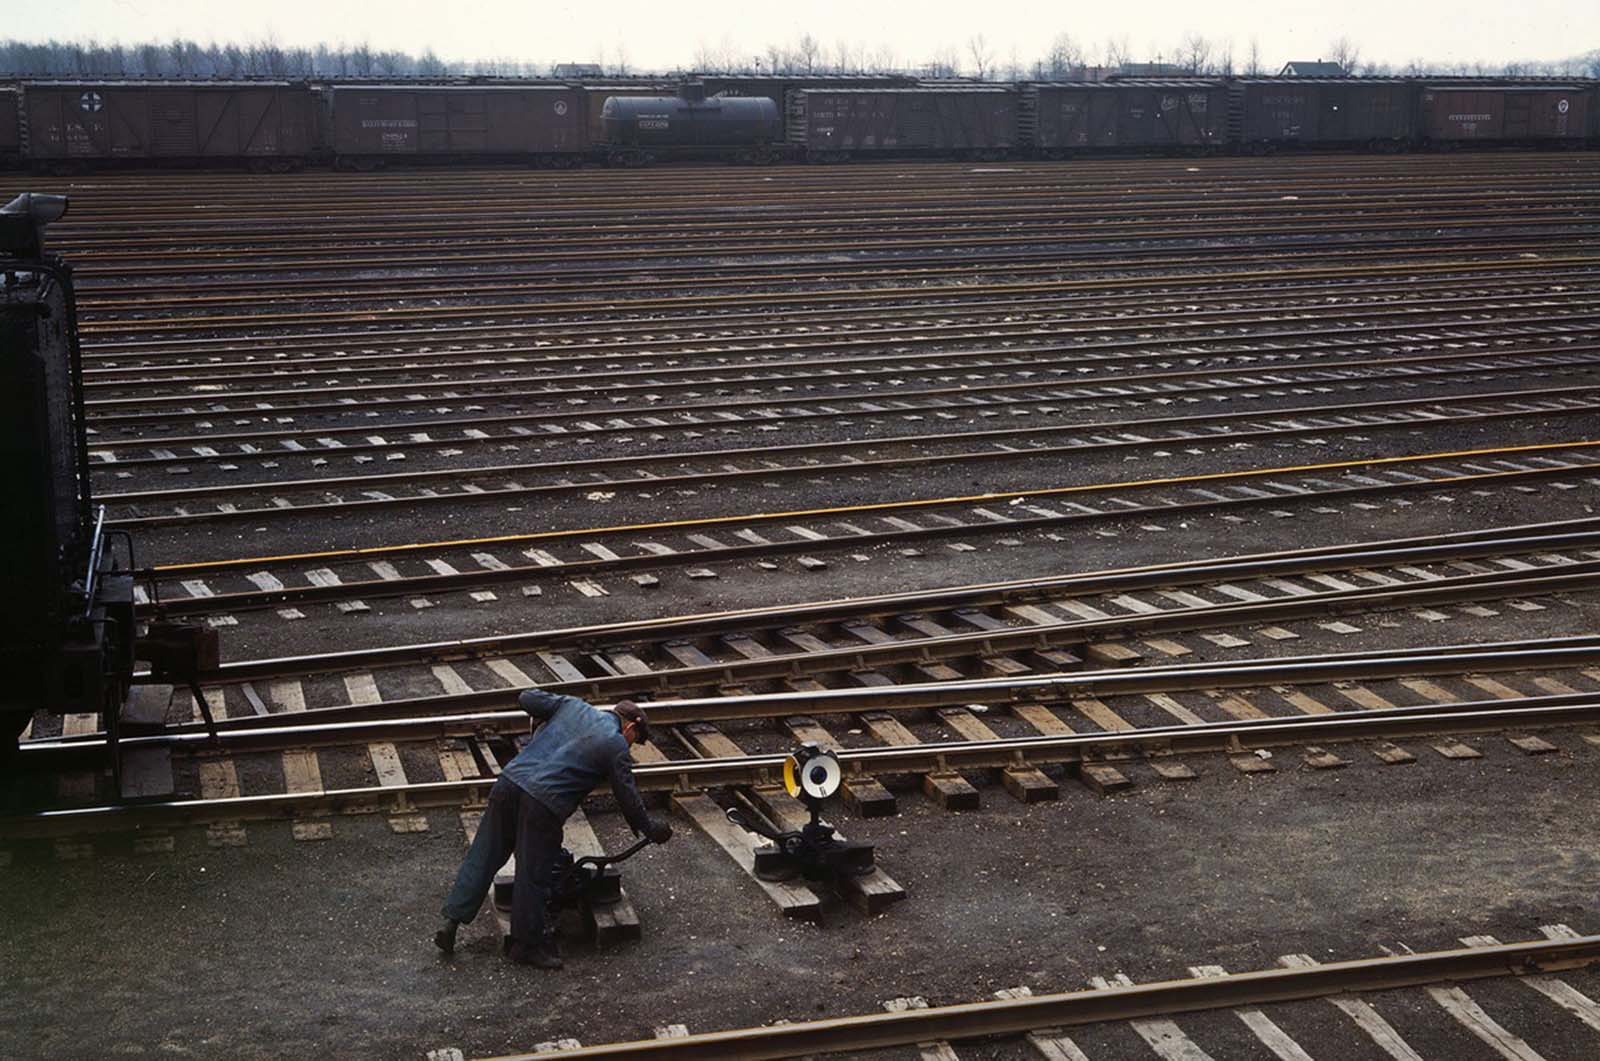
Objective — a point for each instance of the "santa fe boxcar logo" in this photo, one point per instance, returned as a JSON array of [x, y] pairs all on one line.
[[91, 102]]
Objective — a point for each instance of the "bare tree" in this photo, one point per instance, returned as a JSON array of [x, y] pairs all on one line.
[[943, 63], [1252, 62], [807, 52], [1224, 64], [1194, 54], [1344, 52], [1117, 51], [1064, 59], [982, 56]]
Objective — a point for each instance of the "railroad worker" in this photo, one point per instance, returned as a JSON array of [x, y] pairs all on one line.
[[575, 747]]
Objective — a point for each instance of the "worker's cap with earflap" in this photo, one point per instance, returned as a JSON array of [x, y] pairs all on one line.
[[628, 711]]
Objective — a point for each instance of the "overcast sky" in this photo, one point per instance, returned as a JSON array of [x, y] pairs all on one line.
[[666, 33]]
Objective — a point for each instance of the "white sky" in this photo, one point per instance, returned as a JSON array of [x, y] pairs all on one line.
[[666, 33]]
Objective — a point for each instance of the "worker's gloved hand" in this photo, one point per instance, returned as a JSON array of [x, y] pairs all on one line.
[[659, 832]]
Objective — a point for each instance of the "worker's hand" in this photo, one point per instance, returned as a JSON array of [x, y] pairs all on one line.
[[659, 832]]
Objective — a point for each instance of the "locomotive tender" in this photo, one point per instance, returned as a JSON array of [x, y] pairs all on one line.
[[67, 125], [71, 637]]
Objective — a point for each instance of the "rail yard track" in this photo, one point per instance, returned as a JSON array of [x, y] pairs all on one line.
[[1060, 496]]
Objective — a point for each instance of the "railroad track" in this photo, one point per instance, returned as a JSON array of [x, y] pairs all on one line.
[[1571, 464], [1414, 983], [1565, 313], [620, 328], [469, 759]]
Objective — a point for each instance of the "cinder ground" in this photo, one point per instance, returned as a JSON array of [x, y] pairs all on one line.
[[283, 949]]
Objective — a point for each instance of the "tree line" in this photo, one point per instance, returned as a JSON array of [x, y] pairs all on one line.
[[1065, 58]]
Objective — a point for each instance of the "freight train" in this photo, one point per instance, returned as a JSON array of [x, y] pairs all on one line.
[[271, 125]]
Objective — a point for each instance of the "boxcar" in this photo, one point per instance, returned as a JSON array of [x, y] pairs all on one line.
[[838, 123], [1060, 117], [10, 140], [261, 122], [378, 122], [1323, 112], [1506, 113]]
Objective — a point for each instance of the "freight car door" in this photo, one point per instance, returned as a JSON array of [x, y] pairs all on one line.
[[218, 121], [1334, 114], [1519, 115], [174, 125]]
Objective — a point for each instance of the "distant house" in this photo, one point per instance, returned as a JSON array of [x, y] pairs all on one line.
[[1316, 69], [578, 70]]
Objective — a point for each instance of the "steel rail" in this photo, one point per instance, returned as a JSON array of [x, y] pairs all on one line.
[[1024, 336], [876, 295], [646, 247], [520, 223], [1124, 357], [118, 297], [707, 271], [602, 327], [1570, 360], [1116, 332], [1422, 407], [1456, 545], [1194, 572], [1101, 319], [974, 1020], [1290, 670], [689, 775], [1068, 633], [1362, 489], [266, 252], [854, 467], [634, 340]]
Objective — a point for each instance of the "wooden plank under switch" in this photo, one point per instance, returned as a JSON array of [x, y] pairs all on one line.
[[871, 893], [612, 922], [795, 900]]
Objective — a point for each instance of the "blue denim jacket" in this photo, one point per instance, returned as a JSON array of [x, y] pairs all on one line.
[[576, 747]]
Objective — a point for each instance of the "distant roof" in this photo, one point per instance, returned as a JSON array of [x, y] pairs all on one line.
[[1153, 70], [1316, 69], [1134, 82]]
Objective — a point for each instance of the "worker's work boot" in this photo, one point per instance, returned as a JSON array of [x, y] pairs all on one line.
[[445, 938], [540, 957]]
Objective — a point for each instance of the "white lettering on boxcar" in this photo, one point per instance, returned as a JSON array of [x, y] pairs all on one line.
[[388, 123]]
